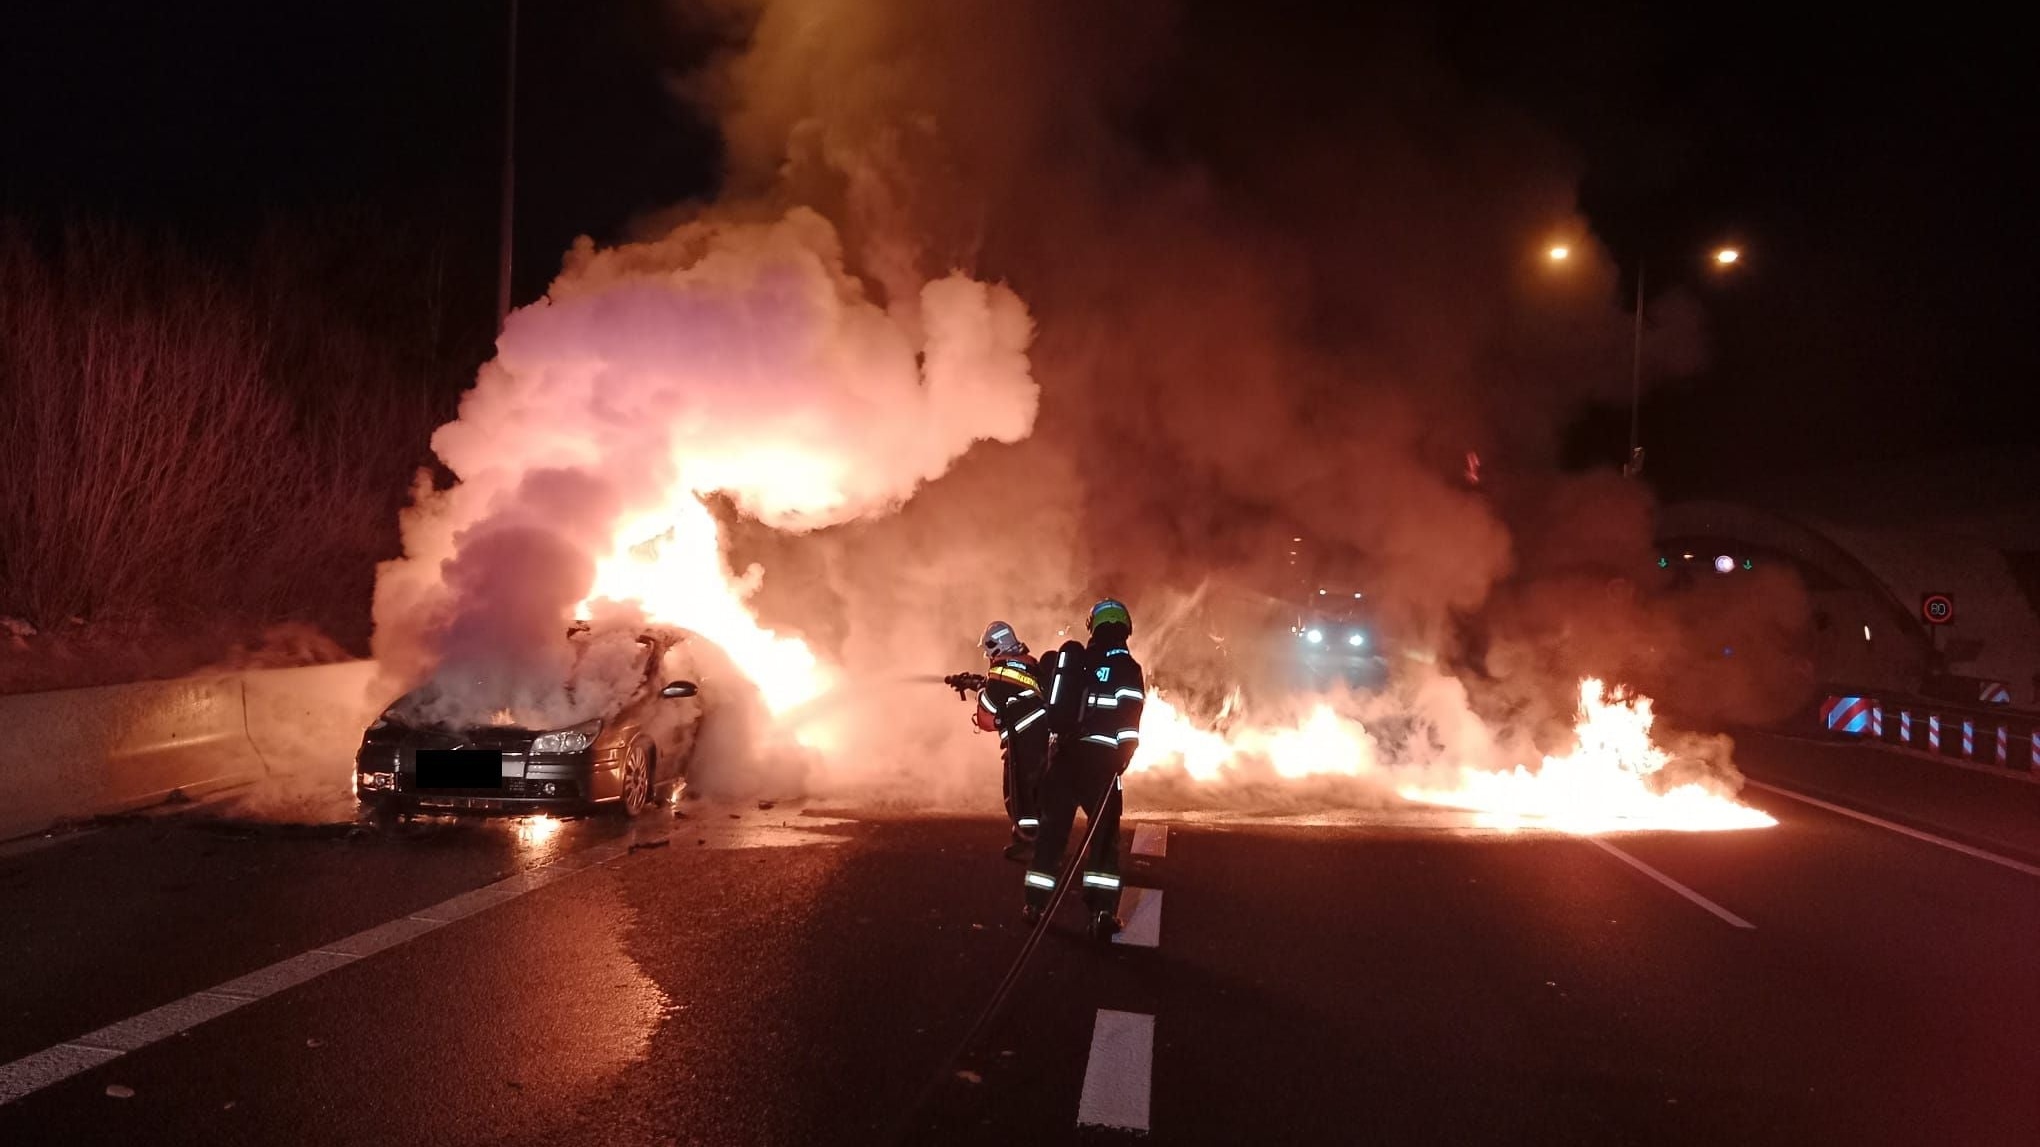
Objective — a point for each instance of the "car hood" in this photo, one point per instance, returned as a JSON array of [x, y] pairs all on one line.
[[482, 737]]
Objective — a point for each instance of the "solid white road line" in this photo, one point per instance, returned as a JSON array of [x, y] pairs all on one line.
[[1151, 840], [1916, 834], [1120, 1072], [1140, 912], [1674, 885], [2001, 772], [15, 846], [32, 1073]]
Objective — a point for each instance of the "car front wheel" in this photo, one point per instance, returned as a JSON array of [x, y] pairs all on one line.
[[637, 779]]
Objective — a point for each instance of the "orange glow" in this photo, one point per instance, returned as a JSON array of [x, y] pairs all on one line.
[[1604, 784], [671, 564], [1559, 253], [1727, 255], [533, 831], [1323, 743], [1167, 737]]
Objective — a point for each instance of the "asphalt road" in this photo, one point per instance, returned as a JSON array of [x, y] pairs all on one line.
[[744, 976]]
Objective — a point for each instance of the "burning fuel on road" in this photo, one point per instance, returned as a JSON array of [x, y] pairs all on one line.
[[1613, 778]]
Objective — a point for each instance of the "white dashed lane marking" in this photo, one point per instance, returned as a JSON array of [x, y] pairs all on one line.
[[1916, 834], [1119, 1073], [1151, 840], [1727, 916], [1140, 912]]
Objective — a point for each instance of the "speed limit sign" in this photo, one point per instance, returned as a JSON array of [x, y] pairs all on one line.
[[1937, 608]]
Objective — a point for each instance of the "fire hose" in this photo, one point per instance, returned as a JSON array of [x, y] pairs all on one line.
[[904, 1128]]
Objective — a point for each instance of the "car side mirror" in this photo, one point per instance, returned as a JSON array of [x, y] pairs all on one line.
[[680, 689]]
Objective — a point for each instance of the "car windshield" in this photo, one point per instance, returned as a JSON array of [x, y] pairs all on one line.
[[592, 674]]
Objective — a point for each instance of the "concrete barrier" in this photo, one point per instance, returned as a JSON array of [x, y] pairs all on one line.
[[87, 752], [305, 724], [293, 714]]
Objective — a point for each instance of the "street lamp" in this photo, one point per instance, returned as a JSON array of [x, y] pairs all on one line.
[[509, 190], [1633, 466]]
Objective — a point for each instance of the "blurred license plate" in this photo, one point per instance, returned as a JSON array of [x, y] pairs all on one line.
[[460, 769]]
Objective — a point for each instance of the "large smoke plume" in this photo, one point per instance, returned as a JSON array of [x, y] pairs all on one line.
[[1283, 285], [725, 357]]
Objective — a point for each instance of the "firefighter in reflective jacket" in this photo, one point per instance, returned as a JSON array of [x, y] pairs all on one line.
[[1096, 694], [1012, 704]]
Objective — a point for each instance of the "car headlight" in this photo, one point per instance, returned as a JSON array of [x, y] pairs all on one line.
[[1314, 636], [567, 740], [1356, 639]]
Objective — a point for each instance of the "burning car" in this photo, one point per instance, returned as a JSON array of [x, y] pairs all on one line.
[[630, 752]]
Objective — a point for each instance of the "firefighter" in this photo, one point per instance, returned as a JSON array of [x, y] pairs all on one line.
[[1011, 702], [1096, 694]]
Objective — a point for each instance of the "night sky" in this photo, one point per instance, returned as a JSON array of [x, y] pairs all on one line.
[[1879, 177]]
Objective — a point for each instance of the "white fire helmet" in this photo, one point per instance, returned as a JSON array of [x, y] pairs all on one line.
[[1000, 641]]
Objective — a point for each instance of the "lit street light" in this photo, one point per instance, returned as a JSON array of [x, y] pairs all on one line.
[[509, 192], [1633, 466]]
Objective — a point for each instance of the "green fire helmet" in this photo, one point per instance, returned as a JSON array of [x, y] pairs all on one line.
[[1109, 612]]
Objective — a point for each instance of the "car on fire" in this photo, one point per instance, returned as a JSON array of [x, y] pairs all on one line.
[[631, 754]]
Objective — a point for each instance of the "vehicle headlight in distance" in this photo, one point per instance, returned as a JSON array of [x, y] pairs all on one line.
[[1356, 639], [567, 740], [1314, 636]]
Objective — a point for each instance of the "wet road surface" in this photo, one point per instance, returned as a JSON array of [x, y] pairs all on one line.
[[741, 976]]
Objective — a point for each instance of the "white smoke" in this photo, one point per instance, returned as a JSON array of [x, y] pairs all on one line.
[[726, 357]]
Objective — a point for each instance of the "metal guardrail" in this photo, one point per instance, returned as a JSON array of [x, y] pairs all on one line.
[[1977, 734]]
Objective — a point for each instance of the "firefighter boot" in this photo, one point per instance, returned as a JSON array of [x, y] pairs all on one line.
[[1021, 847], [1104, 926]]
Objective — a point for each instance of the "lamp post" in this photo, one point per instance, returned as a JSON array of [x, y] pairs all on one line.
[[1632, 465], [509, 173]]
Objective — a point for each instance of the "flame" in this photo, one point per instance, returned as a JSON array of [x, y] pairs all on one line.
[[1601, 786], [1604, 784], [1323, 743], [1167, 737], [671, 564], [534, 831]]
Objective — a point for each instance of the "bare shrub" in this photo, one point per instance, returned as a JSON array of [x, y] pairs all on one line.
[[187, 444]]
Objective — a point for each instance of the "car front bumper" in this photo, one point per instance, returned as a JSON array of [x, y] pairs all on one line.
[[385, 779], [469, 803]]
